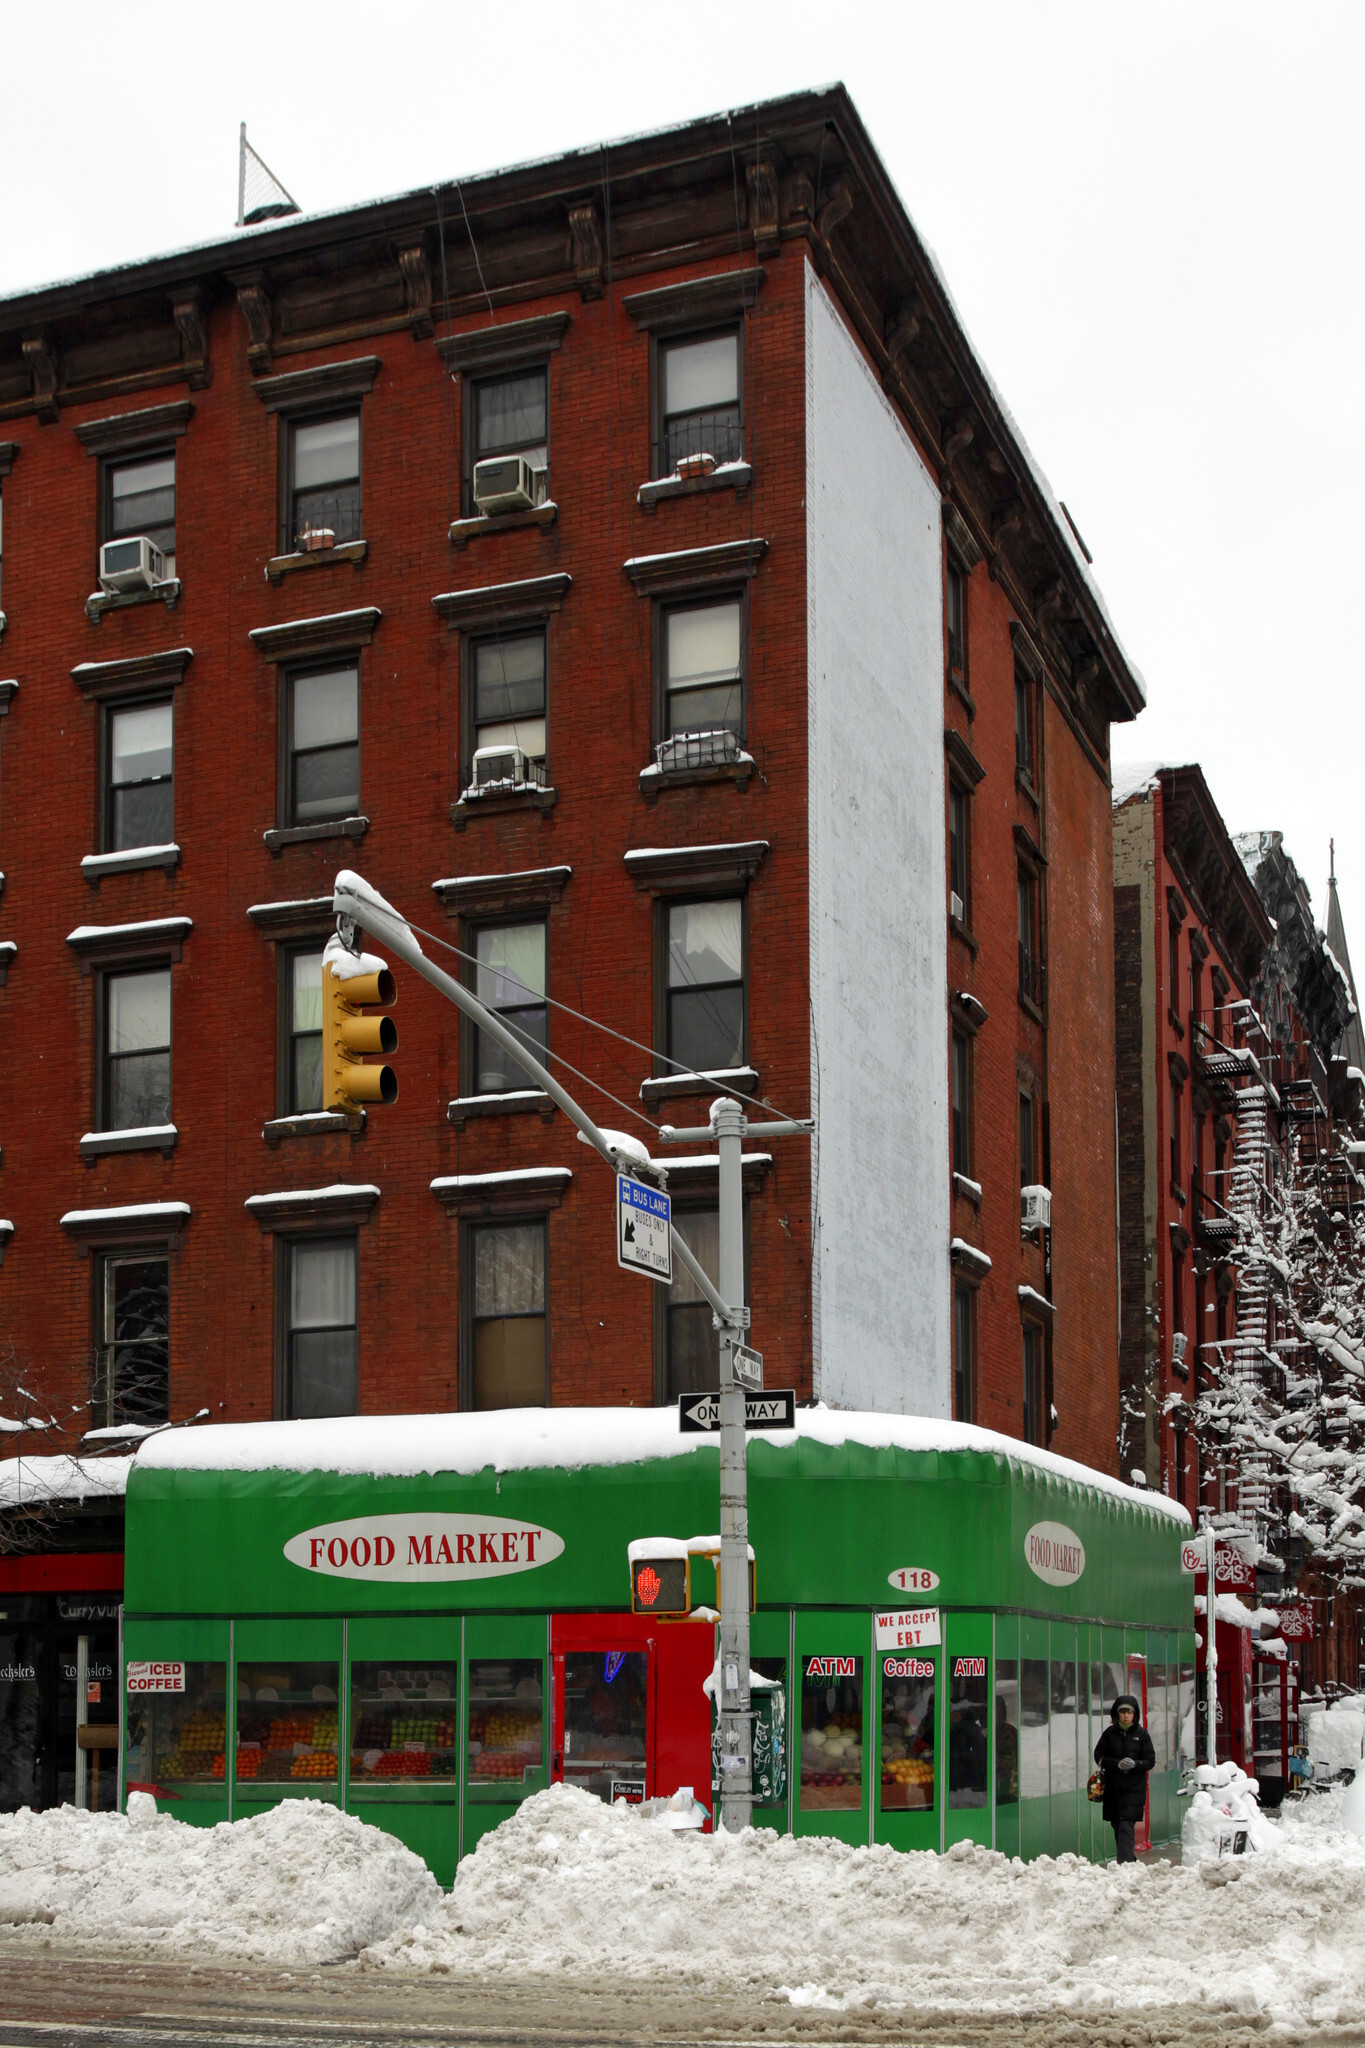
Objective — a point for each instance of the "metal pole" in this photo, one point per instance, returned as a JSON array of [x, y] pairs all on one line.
[[1211, 1642], [736, 1723], [241, 177], [82, 1711], [369, 910]]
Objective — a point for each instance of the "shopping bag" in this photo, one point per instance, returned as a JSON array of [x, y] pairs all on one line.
[[1094, 1790]]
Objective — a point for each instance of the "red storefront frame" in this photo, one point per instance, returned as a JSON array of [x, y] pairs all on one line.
[[62, 1572], [680, 1657]]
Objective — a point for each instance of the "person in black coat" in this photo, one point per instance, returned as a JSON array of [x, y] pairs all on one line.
[[1125, 1755]]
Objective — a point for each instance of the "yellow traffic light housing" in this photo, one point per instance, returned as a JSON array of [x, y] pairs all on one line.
[[351, 983]]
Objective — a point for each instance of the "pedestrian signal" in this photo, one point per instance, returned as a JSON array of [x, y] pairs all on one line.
[[659, 1584]]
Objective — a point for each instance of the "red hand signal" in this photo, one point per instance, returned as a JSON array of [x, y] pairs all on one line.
[[647, 1586]]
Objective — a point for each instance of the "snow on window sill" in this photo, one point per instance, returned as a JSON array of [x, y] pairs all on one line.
[[313, 1123], [663, 1087], [727, 476], [101, 601], [501, 796], [280, 566], [514, 1102], [96, 865], [144, 1138], [326, 828], [462, 531], [971, 1189]]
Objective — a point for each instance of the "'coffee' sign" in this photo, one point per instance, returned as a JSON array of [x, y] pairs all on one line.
[[423, 1550], [148, 1677], [1054, 1553]]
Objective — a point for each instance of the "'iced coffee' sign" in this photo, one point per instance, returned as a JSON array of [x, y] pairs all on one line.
[[148, 1677], [423, 1550], [1054, 1553]]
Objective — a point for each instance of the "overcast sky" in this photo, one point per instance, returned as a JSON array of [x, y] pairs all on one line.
[[1151, 218]]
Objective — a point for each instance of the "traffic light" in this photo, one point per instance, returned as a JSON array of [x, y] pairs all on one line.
[[351, 983]]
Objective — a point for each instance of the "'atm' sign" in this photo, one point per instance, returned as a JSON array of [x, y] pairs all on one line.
[[969, 1667], [832, 1667]]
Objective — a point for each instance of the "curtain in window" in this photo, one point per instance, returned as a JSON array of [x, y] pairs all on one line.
[[322, 1286], [509, 1270], [705, 943]]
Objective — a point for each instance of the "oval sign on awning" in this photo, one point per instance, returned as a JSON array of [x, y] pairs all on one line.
[[1054, 1553], [423, 1549]]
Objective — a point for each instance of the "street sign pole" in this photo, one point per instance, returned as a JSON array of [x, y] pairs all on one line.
[[736, 1723]]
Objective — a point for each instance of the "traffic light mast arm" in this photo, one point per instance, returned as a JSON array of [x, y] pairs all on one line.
[[353, 898]]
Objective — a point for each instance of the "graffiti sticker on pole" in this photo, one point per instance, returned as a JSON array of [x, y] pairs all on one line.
[[644, 1238]]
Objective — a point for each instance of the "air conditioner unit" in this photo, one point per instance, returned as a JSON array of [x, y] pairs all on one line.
[[494, 765], [956, 906], [131, 564], [507, 483], [1035, 1208]]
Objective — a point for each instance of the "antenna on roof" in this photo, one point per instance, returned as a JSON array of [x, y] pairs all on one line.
[[267, 198]]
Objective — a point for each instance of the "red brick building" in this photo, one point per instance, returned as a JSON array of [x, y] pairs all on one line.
[[793, 692]]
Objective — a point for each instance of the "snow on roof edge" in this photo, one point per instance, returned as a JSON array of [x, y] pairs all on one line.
[[569, 1439]]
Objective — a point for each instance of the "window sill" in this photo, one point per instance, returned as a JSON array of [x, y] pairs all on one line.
[[161, 1138], [302, 835], [970, 1190], [496, 802], [516, 1102], [280, 566], [462, 531], [96, 866], [1024, 784], [960, 931], [1178, 1194], [9, 952], [962, 693], [727, 476], [1031, 1009], [1173, 1019], [654, 778], [668, 1087], [315, 1123], [101, 601]]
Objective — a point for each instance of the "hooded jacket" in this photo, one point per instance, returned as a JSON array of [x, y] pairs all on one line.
[[1125, 1792]]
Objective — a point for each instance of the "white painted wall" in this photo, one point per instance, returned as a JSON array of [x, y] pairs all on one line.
[[880, 1275]]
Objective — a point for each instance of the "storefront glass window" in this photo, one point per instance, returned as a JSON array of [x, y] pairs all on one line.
[[287, 1724], [832, 1733], [21, 1706], [1065, 1725], [1007, 1731], [605, 1708], [178, 1738], [1157, 1715], [1034, 1709], [403, 1723], [1187, 1717], [968, 1740], [908, 1733], [506, 1728]]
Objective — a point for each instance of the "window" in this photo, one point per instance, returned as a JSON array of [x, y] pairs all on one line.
[[139, 497], [1174, 968], [1035, 1431], [180, 1737], [960, 1089], [133, 1339], [322, 1366], [324, 479], [955, 618], [693, 1346], [957, 852], [705, 1020], [908, 1707], [1025, 752], [700, 409], [140, 781], [1030, 965], [1178, 1293], [509, 979], [1176, 1099], [508, 1326], [287, 1733], [137, 1049], [507, 676], [324, 745], [510, 416], [303, 1055], [964, 1350], [968, 1734], [703, 668], [1196, 987], [506, 1731], [1027, 1148], [832, 1734], [404, 1723]]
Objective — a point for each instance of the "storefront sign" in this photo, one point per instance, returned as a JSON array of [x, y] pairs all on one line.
[[1236, 1572], [969, 1667], [832, 1667], [422, 1549], [146, 1677], [910, 1628], [14, 1672], [644, 1237], [1296, 1620], [1054, 1553], [907, 1667], [1193, 1556], [912, 1578]]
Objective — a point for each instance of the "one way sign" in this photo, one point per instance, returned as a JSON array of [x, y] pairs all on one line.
[[773, 1410]]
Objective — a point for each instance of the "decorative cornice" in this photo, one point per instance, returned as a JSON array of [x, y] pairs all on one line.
[[688, 1173], [962, 542], [503, 604], [105, 681], [1027, 652], [310, 1212], [961, 758], [9, 450], [9, 689], [328, 384], [494, 895], [111, 945], [1027, 847], [139, 1223], [303, 917], [123, 433], [313, 639], [968, 1263], [666, 870], [525, 1191], [697, 302], [695, 568], [502, 346]]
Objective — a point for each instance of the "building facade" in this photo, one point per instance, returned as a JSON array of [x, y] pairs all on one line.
[[758, 708]]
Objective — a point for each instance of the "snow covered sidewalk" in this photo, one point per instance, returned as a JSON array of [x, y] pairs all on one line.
[[572, 1890]]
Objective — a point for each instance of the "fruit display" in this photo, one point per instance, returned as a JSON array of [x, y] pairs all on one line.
[[318, 1763], [504, 1727], [499, 1763], [248, 1763], [908, 1781]]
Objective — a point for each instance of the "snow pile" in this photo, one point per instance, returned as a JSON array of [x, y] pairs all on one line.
[[1335, 1735], [1225, 1805], [572, 1887], [302, 1883]]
